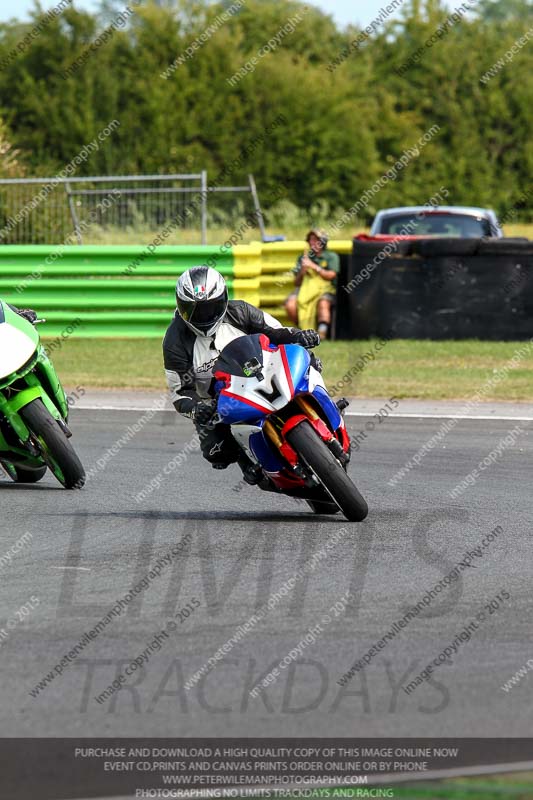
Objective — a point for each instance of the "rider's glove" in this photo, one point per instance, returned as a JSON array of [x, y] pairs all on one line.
[[203, 412], [307, 339], [28, 314]]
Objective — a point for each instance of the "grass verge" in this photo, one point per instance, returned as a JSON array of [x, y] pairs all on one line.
[[518, 786], [293, 229], [403, 368]]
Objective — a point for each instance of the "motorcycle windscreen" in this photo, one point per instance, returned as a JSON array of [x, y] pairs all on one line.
[[241, 356], [257, 379], [18, 341]]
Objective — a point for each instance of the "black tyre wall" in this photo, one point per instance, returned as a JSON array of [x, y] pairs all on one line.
[[488, 295]]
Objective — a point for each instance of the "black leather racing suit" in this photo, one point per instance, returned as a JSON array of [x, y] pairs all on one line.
[[189, 360]]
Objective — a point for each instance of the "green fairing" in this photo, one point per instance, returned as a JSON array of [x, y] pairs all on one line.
[[19, 322], [42, 383], [47, 368]]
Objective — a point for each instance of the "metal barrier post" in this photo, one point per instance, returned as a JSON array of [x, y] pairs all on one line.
[[204, 206], [73, 214], [257, 206]]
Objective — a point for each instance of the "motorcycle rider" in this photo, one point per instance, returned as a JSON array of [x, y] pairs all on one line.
[[205, 321]]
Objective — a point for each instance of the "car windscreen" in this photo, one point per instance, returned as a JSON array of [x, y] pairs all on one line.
[[431, 224]]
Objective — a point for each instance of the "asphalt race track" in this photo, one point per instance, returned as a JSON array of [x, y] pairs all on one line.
[[87, 549]]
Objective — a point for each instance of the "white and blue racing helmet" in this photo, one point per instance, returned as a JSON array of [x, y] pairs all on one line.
[[202, 299]]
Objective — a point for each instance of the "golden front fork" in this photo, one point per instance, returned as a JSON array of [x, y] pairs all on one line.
[[273, 433], [306, 407]]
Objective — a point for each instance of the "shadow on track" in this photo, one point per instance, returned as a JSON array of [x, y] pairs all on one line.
[[207, 516], [30, 487]]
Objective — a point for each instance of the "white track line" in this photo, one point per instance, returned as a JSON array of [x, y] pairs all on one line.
[[454, 772], [412, 777], [433, 775], [368, 413], [123, 408], [421, 415]]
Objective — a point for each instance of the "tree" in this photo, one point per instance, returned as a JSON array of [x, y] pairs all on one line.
[[168, 77], [502, 10], [10, 158]]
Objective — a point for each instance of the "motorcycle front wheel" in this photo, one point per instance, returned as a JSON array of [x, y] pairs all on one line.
[[55, 448], [329, 471]]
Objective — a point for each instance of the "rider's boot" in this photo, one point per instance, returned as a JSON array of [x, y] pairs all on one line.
[[251, 472]]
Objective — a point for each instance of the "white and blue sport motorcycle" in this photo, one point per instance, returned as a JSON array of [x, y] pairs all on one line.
[[281, 414]]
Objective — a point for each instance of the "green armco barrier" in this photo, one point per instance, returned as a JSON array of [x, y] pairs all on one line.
[[91, 294], [114, 290], [118, 324], [110, 259]]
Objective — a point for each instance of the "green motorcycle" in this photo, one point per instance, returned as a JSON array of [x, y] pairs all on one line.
[[34, 435]]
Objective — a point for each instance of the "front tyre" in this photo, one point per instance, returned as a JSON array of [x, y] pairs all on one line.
[[55, 447], [329, 471]]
